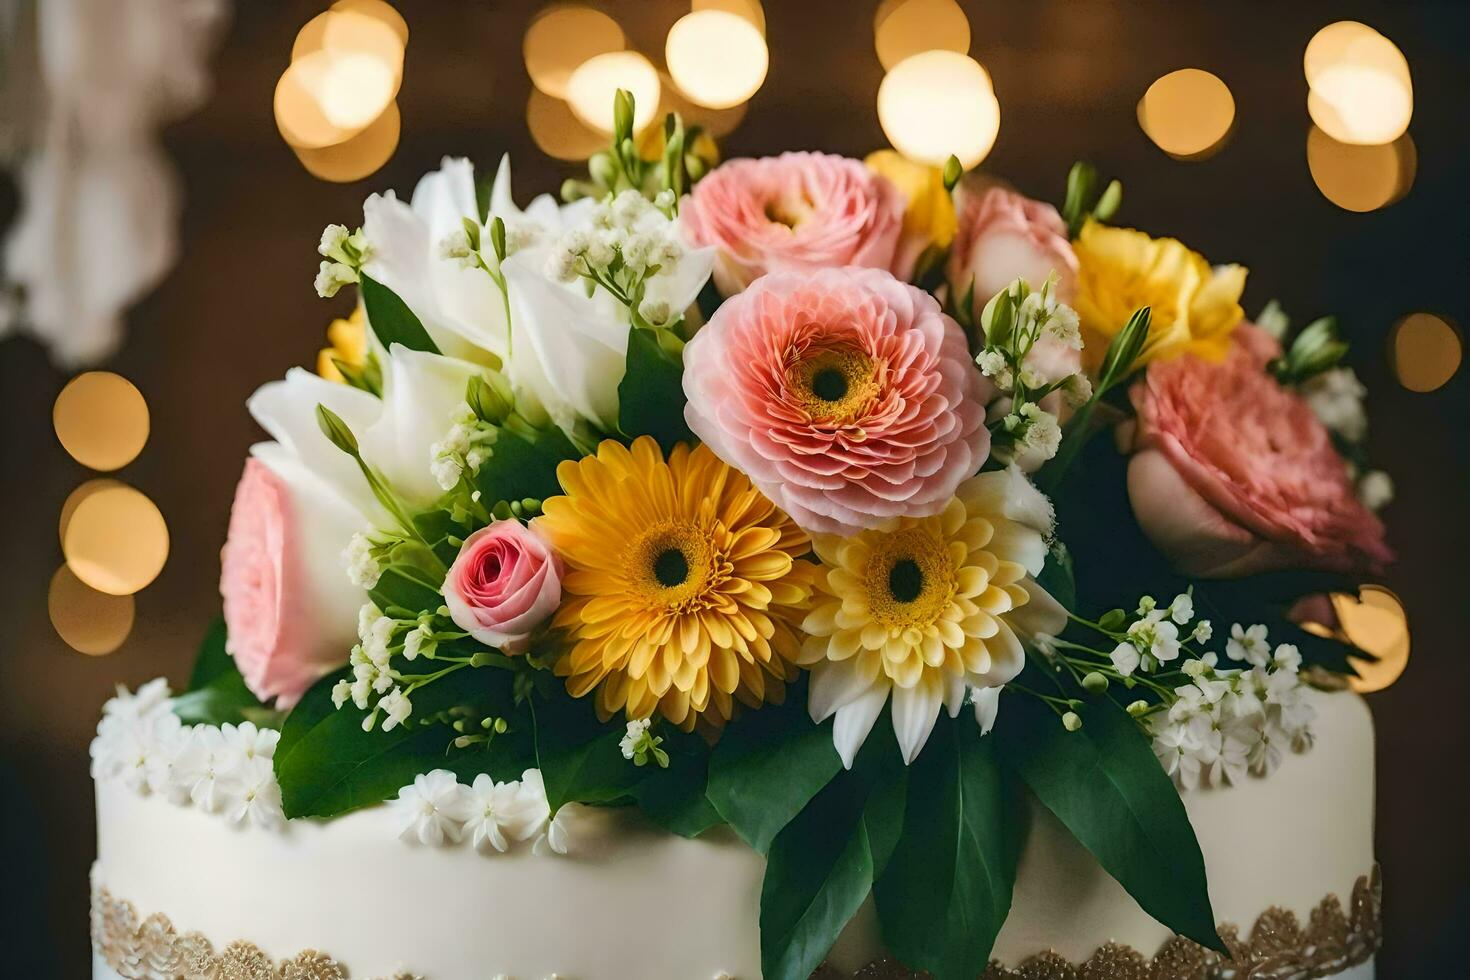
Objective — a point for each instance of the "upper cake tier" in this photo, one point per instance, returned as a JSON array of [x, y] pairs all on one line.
[[627, 900]]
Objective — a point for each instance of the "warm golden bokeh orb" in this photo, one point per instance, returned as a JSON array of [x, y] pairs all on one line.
[[101, 419]]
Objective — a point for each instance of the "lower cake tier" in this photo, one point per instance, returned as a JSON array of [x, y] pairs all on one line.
[[178, 892]]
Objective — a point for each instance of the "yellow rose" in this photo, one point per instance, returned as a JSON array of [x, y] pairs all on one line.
[[928, 217], [1194, 307], [349, 345]]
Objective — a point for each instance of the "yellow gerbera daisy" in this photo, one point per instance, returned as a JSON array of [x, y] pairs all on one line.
[[1194, 308], [682, 592], [928, 611]]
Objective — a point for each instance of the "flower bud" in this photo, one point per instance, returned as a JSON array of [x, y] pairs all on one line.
[[1095, 683], [336, 430], [1071, 721], [1137, 708]]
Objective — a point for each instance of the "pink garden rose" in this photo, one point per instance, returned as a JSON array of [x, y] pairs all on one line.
[[505, 583], [290, 613], [849, 398], [1003, 236], [1235, 475], [797, 211]]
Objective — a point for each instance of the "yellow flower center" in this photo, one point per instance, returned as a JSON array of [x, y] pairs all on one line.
[[911, 580], [674, 565], [834, 384]]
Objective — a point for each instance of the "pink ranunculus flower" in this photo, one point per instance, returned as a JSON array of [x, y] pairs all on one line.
[[848, 397], [797, 211], [1235, 475], [1003, 236], [505, 583], [290, 611]]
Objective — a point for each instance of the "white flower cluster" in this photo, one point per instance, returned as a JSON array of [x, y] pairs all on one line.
[[437, 808], [343, 253], [371, 672], [224, 770], [1024, 333], [1336, 397], [361, 562], [630, 239], [1153, 638], [465, 446]]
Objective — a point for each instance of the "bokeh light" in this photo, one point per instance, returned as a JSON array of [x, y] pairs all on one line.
[[1187, 113], [939, 103], [74, 498], [379, 10], [116, 540], [715, 122], [750, 10], [1426, 351], [905, 28], [358, 156], [1374, 620], [1361, 178], [558, 132], [717, 58], [561, 38], [101, 419], [346, 32], [89, 621], [326, 98], [1361, 90], [592, 86]]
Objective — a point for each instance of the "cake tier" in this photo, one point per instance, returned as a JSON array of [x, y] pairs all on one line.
[[629, 901]]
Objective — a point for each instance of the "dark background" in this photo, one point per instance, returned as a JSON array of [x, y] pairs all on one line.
[[239, 309]]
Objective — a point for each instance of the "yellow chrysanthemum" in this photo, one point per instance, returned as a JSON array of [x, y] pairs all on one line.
[[682, 592], [348, 340], [927, 611], [929, 215], [1194, 307]]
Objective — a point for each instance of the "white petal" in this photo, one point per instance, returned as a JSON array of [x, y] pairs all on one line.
[[854, 722], [287, 410], [987, 706], [915, 710], [569, 350], [1041, 615], [420, 393], [834, 684]]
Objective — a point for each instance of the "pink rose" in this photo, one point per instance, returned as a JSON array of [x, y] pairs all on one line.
[[847, 397], [797, 211], [1003, 236], [1235, 475], [505, 583], [290, 612]]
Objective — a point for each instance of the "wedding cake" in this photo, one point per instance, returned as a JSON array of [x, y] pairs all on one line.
[[788, 567]]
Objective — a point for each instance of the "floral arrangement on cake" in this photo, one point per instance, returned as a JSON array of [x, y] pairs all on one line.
[[841, 502]]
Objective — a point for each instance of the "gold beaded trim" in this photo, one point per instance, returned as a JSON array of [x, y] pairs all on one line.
[[154, 950], [1278, 949]]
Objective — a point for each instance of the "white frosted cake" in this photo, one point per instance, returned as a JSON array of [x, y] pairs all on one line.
[[178, 892], [749, 571]]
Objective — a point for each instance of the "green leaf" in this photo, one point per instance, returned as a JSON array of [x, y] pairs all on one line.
[[521, 467], [213, 662], [674, 797], [1105, 784], [336, 766], [217, 693], [651, 394], [822, 865], [578, 756], [947, 889], [1057, 577], [405, 587], [767, 766], [391, 319]]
